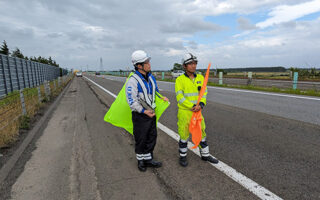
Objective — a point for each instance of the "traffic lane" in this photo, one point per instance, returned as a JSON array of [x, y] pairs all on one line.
[[300, 108], [277, 153], [113, 85], [167, 86], [198, 181], [269, 83], [114, 158]]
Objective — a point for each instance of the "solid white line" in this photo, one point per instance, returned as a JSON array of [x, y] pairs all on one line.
[[102, 88], [265, 93], [247, 183], [255, 92]]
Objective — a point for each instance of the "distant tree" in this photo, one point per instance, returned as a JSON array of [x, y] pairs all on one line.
[[17, 53], [177, 66], [293, 69], [33, 59], [221, 70], [313, 72], [303, 72], [50, 61], [55, 64], [4, 48]]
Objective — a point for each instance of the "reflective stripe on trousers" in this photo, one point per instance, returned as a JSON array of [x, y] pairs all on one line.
[[183, 147], [204, 148], [146, 156]]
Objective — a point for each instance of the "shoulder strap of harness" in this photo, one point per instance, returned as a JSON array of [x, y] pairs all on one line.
[[150, 102]]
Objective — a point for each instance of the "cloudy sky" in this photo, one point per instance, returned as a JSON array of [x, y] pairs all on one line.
[[228, 33]]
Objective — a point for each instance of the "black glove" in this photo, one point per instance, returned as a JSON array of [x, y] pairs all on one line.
[[201, 105]]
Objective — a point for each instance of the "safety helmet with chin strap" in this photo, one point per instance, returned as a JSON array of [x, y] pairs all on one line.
[[188, 58], [139, 56]]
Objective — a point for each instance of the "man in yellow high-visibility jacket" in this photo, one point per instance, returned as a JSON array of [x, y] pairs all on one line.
[[187, 89]]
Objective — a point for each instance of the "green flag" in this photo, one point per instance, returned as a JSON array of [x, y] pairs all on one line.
[[120, 114]]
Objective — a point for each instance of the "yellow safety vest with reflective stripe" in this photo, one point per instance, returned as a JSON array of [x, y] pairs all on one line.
[[187, 91]]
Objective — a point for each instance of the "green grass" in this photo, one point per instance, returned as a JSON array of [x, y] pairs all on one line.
[[30, 91], [13, 96], [272, 89], [168, 80], [256, 88], [24, 122]]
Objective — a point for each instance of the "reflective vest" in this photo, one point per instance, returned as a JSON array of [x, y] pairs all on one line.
[[120, 113], [187, 91], [149, 99]]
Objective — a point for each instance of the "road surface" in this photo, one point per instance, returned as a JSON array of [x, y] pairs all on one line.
[[79, 156]]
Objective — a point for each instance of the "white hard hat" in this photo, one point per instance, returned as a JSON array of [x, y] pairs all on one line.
[[139, 56], [188, 58]]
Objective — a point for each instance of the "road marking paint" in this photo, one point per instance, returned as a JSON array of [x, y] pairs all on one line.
[[102, 88], [255, 92], [265, 93], [247, 183]]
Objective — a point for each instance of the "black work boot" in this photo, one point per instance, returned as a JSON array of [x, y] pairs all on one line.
[[152, 163], [210, 159], [141, 166], [183, 161]]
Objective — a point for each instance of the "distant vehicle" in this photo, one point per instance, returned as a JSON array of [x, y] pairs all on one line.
[[79, 74], [177, 73], [97, 73]]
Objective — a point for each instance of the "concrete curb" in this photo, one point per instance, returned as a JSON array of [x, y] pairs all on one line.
[[7, 167]]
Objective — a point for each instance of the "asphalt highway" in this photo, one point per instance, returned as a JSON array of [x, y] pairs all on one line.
[[270, 139]]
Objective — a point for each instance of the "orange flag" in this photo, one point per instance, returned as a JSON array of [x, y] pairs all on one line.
[[195, 121]]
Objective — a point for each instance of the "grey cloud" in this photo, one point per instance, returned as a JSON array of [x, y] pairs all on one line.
[[15, 32], [55, 35], [193, 44], [189, 26], [300, 43], [245, 24], [60, 29], [291, 24]]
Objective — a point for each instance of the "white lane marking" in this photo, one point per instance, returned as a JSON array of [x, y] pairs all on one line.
[[102, 88], [264, 93], [256, 92], [247, 183]]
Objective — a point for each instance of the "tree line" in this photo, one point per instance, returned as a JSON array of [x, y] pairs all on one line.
[[4, 49], [312, 72], [302, 71]]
